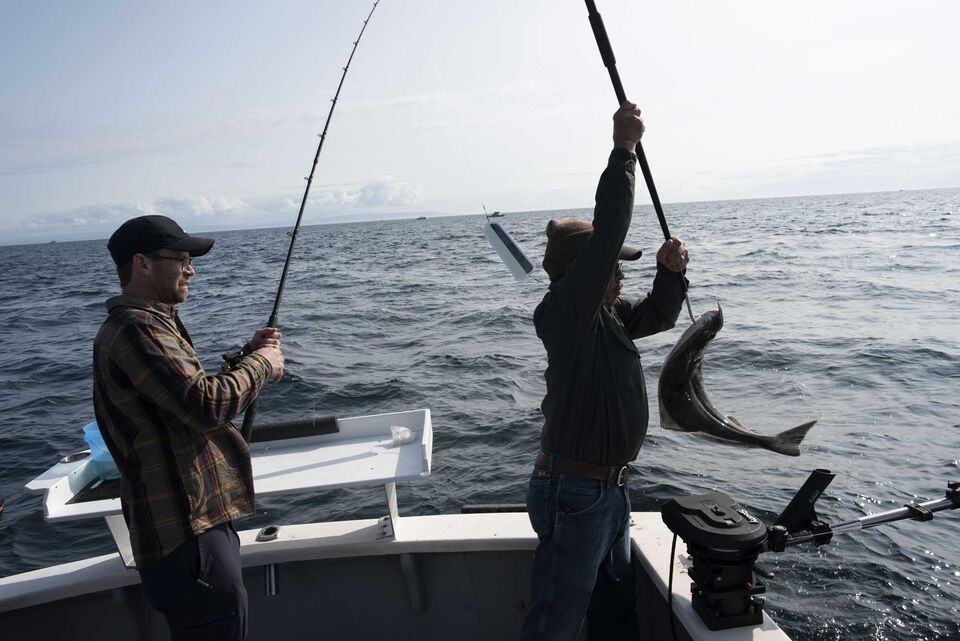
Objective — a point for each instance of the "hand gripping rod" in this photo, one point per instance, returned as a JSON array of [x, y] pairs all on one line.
[[610, 62], [251, 413]]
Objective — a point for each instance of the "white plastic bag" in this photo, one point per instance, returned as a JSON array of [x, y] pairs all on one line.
[[400, 435]]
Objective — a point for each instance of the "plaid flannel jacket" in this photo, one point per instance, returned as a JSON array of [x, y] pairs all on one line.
[[184, 467]]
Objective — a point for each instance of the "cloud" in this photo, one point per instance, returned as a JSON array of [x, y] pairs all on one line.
[[82, 218], [390, 193], [937, 154], [99, 221], [204, 213], [374, 195], [867, 169], [193, 207], [52, 152]]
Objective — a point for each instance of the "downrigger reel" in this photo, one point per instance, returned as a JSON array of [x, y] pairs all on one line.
[[724, 541]]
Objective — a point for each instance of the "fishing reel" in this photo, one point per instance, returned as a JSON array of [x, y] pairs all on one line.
[[724, 542], [232, 359]]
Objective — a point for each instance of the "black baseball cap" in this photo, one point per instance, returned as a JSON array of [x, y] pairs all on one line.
[[144, 234]]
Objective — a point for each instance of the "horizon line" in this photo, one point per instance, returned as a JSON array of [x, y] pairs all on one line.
[[429, 214]]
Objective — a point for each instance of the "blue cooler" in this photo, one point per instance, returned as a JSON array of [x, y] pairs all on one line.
[[102, 460]]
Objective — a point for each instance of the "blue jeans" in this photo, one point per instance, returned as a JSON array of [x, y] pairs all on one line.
[[582, 568]]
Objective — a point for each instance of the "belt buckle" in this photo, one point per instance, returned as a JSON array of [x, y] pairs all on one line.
[[622, 476]]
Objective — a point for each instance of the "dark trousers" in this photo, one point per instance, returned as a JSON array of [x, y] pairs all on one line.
[[199, 589]]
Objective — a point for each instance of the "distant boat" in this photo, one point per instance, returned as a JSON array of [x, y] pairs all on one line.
[[421, 217], [496, 214]]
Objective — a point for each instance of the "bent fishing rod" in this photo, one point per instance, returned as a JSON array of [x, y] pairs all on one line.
[[251, 413], [610, 62]]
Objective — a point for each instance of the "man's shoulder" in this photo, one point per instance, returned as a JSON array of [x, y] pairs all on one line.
[[558, 300], [129, 309], [538, 310], [543, 309], [123, 317], [555, 316]]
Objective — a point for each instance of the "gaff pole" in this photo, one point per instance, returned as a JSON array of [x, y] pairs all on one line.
[[251, 413], [610, 62]]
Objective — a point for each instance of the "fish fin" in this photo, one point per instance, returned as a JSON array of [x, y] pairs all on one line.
[[736, 421], [788, 442], [667, 422]]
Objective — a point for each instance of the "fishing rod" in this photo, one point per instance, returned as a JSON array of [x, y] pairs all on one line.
[[251, 413], [610, 62]]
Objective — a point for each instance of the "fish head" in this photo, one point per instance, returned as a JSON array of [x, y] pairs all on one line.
[[710, 323]]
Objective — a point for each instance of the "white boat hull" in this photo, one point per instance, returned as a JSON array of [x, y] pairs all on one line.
[[448, 577]]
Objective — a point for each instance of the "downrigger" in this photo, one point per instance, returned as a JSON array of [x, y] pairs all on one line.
[[724, 541]]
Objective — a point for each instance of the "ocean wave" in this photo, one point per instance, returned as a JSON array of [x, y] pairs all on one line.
[[821, 322]]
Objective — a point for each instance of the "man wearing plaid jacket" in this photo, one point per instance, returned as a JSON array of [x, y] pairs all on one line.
[[186, 471]]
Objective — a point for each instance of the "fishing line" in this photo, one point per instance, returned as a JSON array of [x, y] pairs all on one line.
[[509, 250], [463, 148], [610, 62], [250, 415]]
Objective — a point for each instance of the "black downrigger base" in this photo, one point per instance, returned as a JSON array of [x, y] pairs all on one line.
[[724, 542]]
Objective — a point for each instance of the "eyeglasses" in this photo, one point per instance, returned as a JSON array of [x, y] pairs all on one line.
[[184, 262]]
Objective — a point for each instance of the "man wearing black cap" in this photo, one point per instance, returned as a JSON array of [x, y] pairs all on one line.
[[595, 408], [185, 469]]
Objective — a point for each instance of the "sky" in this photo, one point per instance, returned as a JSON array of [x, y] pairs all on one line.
[[208, 112]]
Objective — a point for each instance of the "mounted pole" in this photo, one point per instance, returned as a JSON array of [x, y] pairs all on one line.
[[821, 533], [250, 415], [610, 62]]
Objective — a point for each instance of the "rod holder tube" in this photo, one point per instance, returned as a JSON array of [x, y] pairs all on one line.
[[881, 518], [903, 513], [271, 580]]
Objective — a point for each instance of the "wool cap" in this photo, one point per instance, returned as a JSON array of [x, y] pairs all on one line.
[[565, 237]]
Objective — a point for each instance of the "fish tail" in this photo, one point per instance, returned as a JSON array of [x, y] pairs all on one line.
[[788, 442]]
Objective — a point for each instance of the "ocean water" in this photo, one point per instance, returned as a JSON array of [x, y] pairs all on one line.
[[843, 308]]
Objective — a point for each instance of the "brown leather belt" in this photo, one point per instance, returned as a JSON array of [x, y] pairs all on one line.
[[618, 474]]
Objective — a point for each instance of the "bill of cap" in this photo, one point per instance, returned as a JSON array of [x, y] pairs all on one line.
[[194, 245], [630, 253]]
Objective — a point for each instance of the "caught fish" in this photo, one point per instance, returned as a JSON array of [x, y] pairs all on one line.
[[684, 405]]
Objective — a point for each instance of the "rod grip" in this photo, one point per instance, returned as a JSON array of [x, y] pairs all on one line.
[[606, 51], [603, 41], [314, 426]]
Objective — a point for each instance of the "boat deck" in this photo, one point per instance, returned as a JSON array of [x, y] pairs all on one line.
[[462, 576], [447, 577]]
